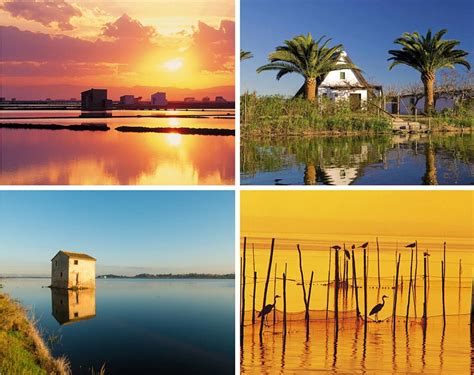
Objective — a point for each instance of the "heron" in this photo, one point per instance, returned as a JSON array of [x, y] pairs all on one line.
[[376, 309], [411, 245], [364, 245], [268, 308]]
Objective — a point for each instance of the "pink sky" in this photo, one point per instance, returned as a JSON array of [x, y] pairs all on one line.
[[57, 48]]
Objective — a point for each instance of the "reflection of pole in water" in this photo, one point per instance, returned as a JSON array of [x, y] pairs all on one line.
[[442, 293]]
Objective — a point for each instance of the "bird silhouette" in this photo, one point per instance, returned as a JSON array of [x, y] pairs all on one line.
[[336, 247], [364, 245], [426, 254], [268, 308], [347, 254], [353, 246], [411, 245], [376, 309]]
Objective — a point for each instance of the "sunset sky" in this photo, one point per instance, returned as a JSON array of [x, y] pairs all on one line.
[[52, 48]]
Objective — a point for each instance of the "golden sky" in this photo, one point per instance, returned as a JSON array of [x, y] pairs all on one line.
[[382, 213], [179, 43]]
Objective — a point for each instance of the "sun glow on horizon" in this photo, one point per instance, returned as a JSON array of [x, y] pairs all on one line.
[[174, 64]]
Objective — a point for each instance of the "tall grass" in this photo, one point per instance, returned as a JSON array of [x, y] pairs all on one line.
[[22, 350], [265, 115]]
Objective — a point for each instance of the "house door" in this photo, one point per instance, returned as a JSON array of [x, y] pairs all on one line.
[[355, 101]]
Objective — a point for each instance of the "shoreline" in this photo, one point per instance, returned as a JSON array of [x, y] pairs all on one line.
[[22, 349]]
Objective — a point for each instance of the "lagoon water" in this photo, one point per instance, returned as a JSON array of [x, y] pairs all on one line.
[[62, 157], [137, 326], [407, 159]]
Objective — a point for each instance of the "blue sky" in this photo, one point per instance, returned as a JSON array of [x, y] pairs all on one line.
[[129, 232], [366, 28]]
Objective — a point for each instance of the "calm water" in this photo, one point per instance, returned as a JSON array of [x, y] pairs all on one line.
[[382, 160], [44, 157], [137, 326], [345, 351]]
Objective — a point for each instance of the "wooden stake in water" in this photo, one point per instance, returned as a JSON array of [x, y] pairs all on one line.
[[302, 282], [365, 286], [378, 259], [274, 293], [336, 286], [460, 273], [270, 260], [425, 308], [284, 302], [254, 285], [329, 283], [242, 315], [307, 306], [395, 295], [354, 275], [442, 293]]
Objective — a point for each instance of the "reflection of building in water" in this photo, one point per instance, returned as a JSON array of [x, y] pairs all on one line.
[[69, 306], [72, 271], [346, 175]]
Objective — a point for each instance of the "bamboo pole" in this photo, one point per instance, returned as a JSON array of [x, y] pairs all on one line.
[[274, 293], [284, 302], [378, 260], [425, 316], [266, 288], [329, 281], [415, 277], [354, 275], [254, 285], [242, 315], [307, 306], [336, 286], [442, 291], [365, 287], [394, 314], [302, 282], [410, 285]]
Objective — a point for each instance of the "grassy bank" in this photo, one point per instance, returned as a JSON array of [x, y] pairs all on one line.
[[22, 350], [276, 115]]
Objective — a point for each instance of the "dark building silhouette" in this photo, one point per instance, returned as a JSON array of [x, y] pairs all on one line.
[[95, 100]]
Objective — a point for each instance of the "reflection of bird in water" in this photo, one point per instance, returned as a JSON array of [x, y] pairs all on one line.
[[268, 308], [364, 245], [411, 245], [336, 247], [376, 309], [347, 254]]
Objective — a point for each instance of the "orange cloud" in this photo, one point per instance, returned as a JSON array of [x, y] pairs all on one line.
[[48, 13], [126, 27]]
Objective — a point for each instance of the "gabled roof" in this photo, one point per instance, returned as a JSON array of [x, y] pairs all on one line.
[[357, 73], [71, 254]]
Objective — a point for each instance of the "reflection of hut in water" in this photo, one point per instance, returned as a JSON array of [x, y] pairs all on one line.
[[72, 306], [72, 271]]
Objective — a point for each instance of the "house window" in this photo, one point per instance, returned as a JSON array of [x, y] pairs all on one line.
[[412, 101], [76, 262], [55, 262], [342, 75], [76, 315], [61, 275]]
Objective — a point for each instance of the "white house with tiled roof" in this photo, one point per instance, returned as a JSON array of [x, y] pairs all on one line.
[[348, 84], [70, 270]]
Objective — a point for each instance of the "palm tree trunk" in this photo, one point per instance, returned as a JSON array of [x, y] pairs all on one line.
[[310, 88], [428, 82]]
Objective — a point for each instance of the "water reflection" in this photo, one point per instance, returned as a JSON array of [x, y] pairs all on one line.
[[62, 157], [70, 306], [386, 159]]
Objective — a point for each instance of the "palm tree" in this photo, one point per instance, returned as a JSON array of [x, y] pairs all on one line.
[[310, 58], [427, 54], [245, 55]]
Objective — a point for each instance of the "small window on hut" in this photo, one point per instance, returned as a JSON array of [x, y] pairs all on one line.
[[76, 262], [55, 262], [342, 75], [76, 315], [61, 275]]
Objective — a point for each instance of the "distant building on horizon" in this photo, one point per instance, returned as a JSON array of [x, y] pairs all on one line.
[[71, 270], [206, 99], [127, 99], [159, 98], [2, 99], [220, 99], [95, 100], [190, 99]]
